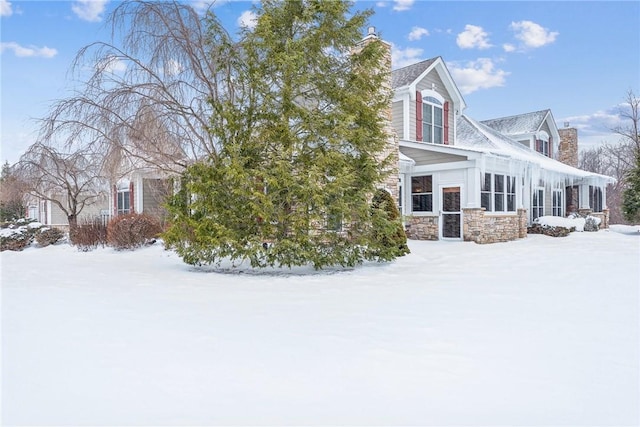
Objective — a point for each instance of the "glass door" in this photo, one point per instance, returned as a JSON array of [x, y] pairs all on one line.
[[451, 213]]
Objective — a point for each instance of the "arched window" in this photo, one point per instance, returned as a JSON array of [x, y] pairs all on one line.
[[431, 117]]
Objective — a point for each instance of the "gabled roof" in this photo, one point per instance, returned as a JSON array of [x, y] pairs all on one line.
[[406, 75], [475, 135], [519, 124], [407, 78]]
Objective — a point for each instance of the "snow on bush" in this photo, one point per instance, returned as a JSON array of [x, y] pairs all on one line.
[[558, 221], [20, 234]]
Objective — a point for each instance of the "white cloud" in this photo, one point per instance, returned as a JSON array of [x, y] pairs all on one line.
[[381, 4], [402, 5], [403, 57], [417, 33], [112, 64], [476, 75], [5, 8], [89, 10], [247, 19], [532, 35], [508, 47], [473, 37], [600, 121], [28, 51]]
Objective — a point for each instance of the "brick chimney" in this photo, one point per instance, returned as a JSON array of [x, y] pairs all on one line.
[[568, 147]]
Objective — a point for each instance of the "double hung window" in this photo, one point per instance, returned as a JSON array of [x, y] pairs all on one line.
[[124, 201], [498, 193], [432, 120], [537, 203], [556, 206], [422, 193], [595, 198]]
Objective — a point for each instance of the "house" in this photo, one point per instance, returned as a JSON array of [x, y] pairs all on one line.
[[462, 179], [140, 191]]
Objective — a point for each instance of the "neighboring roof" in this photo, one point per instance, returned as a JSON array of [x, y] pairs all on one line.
[[519, 124], [478, 136], [406, 75]]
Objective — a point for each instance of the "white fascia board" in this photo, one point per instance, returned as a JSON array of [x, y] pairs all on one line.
[[400, 93], [441, 148], [444, 166]]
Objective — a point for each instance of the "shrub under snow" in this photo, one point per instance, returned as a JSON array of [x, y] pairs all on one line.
[[132, 230]]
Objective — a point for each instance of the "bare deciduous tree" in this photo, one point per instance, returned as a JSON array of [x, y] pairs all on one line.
[[617, 160], [629, 112], [72, 181], [149, 99]]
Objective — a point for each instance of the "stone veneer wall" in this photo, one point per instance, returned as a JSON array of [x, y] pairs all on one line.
[[481, 228], [422, 227], [568, 146]]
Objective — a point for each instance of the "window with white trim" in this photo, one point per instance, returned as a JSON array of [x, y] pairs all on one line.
[[432, 120], [543, 147], [498, 193], [124, 201], [537, 202], [422, 193], [595, 198], [556, 207]]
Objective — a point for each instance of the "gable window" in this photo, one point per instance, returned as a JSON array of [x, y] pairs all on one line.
[[432, 120], [595, 198], [544, 144], [422, 193], [432, 115], [498, 193]]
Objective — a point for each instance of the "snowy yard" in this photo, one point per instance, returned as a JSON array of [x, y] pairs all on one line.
[[541, 331]]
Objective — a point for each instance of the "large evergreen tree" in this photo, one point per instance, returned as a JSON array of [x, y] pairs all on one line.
[[631, 194], [300, 146]]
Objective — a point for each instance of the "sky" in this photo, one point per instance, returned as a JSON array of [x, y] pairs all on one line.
[[577, 58]]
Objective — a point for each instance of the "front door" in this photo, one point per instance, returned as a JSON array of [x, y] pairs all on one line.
[[450, 213]]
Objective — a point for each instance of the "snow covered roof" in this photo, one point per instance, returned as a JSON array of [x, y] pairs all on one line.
[[478, 136], [406, 75], [518, 124]]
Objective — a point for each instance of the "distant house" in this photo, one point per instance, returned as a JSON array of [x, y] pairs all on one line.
[[461, 179]]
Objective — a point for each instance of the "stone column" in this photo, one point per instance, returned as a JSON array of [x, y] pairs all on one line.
[[522, 223]]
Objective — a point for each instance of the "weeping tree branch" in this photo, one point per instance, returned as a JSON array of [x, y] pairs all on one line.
[[150, 98]]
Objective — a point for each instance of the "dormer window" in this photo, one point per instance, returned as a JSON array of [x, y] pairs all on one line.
[[431, 117], [543, 144]]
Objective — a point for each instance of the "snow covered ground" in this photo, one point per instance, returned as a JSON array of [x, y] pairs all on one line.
[[540, 331]]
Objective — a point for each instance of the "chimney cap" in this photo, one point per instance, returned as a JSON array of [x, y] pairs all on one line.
[[372, 31], [566, 124]]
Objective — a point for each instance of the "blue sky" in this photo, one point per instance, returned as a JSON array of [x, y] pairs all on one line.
[[578, 58]]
